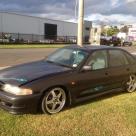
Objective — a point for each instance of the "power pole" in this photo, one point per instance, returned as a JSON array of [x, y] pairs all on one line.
[[80, 23]]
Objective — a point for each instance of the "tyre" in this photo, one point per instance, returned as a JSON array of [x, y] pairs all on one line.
[[131, 84], [53, 101]]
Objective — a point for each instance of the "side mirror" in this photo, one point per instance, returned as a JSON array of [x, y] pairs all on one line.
[[87, 68]]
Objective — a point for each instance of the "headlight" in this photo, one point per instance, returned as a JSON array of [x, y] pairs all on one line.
[[16, 90]]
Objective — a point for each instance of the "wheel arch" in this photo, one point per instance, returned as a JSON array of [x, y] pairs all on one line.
[[68, 94]]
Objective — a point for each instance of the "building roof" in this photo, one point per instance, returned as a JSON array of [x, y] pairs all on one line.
[[19, 14]]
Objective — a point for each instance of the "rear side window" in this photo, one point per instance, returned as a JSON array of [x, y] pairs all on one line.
[[117, 58], [130, 58]]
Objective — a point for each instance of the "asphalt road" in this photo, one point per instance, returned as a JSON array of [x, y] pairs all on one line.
[[10, 57]]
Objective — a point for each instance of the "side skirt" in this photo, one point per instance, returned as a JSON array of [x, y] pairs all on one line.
[[81, 99]]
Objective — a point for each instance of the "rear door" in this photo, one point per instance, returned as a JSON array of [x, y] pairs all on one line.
[[119, 68]]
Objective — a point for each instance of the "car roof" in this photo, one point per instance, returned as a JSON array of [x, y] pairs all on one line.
[[90, 48]]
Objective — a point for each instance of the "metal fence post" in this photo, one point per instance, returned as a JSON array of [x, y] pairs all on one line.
[[18, 37], [32, 38], [66, 39], [2, 37]]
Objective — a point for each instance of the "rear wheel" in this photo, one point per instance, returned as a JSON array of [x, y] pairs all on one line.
[[131, 84], [53, 101]]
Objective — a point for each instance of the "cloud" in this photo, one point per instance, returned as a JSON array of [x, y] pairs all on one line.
[[114, 19], [97, 10], [115, 3], [130, 1], [126, 8]]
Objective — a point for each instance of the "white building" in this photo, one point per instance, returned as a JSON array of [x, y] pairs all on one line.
[[48, 28], [132, 33]]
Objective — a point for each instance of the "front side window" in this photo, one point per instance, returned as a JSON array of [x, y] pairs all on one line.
[[98, 60], [117, 58], [68, 57]]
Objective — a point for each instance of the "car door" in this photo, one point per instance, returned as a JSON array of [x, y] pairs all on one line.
[[119, 68], [94, 81]]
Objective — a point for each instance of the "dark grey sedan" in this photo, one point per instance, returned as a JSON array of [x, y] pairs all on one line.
[[69, 75]]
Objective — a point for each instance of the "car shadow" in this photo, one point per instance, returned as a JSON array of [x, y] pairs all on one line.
[[96, 99]]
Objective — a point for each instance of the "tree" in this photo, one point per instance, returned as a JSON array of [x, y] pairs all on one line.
[[124, 29], [110, 31]]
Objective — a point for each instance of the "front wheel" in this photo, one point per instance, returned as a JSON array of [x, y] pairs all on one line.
[[131, 84], [53, 101]]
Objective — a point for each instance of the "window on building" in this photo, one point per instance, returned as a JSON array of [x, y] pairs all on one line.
[[87, 29]]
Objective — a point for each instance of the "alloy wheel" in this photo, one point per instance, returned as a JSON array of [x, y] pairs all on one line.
[[54, 101], [131, 84]]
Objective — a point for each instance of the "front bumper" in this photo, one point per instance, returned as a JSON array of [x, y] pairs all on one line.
[[19, 104]]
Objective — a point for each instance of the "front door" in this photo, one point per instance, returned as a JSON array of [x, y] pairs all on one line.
[[96, 80]]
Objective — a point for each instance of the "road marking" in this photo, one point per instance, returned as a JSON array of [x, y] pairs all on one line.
[[1, 68]]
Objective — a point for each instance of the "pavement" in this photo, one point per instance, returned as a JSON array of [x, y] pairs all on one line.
[[130, 49], [11, 57]]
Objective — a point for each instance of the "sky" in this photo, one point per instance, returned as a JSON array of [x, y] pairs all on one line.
[[98, 11]]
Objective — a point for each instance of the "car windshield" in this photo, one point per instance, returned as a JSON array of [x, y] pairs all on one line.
[[68, 57]]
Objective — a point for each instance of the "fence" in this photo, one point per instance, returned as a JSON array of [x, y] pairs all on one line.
[[32, 38]]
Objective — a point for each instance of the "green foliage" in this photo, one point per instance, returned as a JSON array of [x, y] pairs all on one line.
[[25, 46], [110, 31]]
